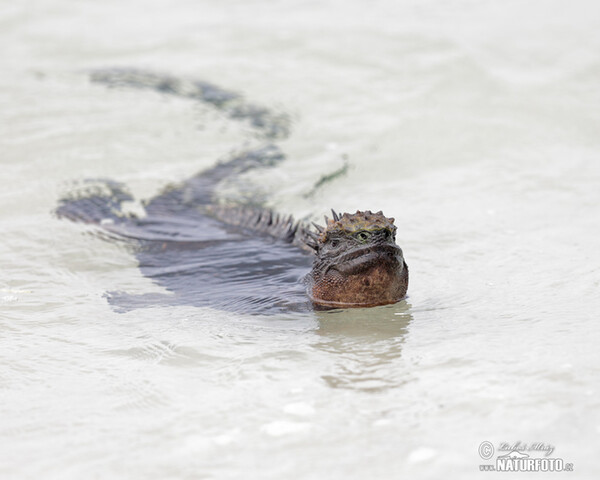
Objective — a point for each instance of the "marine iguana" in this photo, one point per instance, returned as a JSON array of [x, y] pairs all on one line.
[[239, 257]]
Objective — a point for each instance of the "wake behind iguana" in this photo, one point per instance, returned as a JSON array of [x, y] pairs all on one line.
[[237, 257]]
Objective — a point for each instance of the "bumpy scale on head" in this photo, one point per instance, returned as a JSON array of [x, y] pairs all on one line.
[[348, 223]]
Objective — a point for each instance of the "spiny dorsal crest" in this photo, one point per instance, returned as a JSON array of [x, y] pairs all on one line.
[[349, 223]]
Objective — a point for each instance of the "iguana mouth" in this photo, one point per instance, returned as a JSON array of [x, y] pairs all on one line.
[[365, 258]]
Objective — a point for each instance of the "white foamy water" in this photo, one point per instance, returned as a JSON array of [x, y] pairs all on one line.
[[475, 124]]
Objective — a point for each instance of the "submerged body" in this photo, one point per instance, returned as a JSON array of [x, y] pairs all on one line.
[[247, 259], [244, 258]]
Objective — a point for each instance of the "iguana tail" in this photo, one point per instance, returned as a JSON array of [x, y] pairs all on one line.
[[200, 189], [271, 125]]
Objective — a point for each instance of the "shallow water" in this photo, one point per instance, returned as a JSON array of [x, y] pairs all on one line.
[[475, 124]]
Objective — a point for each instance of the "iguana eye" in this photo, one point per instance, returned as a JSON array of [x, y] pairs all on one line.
[[363, 236], [334, 243]]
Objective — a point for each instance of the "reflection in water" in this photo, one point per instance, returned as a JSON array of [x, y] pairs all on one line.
[[366, 345]]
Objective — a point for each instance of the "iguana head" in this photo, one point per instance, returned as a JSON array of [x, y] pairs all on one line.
[[358, 263]]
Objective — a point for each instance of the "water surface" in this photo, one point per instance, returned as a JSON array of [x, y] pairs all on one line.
[[475, 124]]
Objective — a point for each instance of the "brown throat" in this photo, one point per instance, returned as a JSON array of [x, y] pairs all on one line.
[[374, 278]]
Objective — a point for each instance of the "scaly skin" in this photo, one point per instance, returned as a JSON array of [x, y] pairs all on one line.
[[357, 263]]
